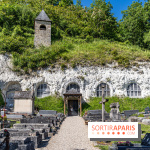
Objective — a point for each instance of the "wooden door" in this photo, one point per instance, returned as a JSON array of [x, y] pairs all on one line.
[[72, 107]]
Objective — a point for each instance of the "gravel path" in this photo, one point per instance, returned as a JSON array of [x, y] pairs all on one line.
[[73, 135]]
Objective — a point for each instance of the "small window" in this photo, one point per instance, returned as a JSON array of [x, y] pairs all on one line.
[[74, 86], [133, 90], [42, 27], [43, 90], [106, 90]]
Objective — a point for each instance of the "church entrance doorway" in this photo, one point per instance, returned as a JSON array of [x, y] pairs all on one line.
[[72, 107], [73, 101]]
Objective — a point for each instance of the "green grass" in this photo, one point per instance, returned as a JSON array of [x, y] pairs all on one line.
[[103, 147], [125, 103], [71, 52], [145, 128], [50, 103]]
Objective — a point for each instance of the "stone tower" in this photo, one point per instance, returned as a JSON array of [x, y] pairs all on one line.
[[42, 30]]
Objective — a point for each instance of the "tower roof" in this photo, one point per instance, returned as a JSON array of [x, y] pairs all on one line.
[[43, 16]]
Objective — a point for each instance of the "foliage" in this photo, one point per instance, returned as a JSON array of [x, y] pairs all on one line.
[[103, 23], [65, 3], [102, 147], [17, 18], [135, 23], [82, 36], [140, 115], [75, 51], [145, 128], [125, 103], [11, 44], [49, 103], [1, 100], [135, 115]]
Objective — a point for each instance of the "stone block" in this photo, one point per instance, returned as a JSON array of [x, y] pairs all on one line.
[[44, 135], [133, 119], [128, 113], [23, 106], [146, 121], [20, 140], [14, 116], [94, 112], [47, 112], [29, 146], [37, 140], [141, 118]]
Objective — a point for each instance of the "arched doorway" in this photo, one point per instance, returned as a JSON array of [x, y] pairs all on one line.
[[72, 98], [10, 90]]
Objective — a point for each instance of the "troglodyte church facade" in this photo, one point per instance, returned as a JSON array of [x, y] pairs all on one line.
[[87, 81]]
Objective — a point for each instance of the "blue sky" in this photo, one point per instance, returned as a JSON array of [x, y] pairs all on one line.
[[118, 5]]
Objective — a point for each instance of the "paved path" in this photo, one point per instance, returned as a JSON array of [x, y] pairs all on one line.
[[73, 135]]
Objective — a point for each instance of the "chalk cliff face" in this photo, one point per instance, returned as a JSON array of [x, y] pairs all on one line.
[[88, 78]]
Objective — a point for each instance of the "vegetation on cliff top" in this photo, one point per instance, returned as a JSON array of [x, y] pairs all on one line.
[[71, 52], [80, 36]]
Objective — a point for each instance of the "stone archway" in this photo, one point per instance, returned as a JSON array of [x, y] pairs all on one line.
[[9, 90]]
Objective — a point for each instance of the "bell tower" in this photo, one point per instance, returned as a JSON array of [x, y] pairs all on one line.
[[42, 27]]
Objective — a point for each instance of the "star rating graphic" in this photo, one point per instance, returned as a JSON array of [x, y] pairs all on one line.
[[108, 133]]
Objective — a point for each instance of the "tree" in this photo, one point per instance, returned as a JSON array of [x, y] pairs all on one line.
[[78, 3], [102, 21], [65, 3], [135, 24]]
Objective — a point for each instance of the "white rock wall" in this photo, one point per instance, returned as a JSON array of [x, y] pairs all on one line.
[[88, 78]]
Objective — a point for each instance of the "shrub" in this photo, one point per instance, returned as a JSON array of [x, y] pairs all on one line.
[[11, 44]]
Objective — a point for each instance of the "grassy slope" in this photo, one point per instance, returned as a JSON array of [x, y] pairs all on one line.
[[73, 52]]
